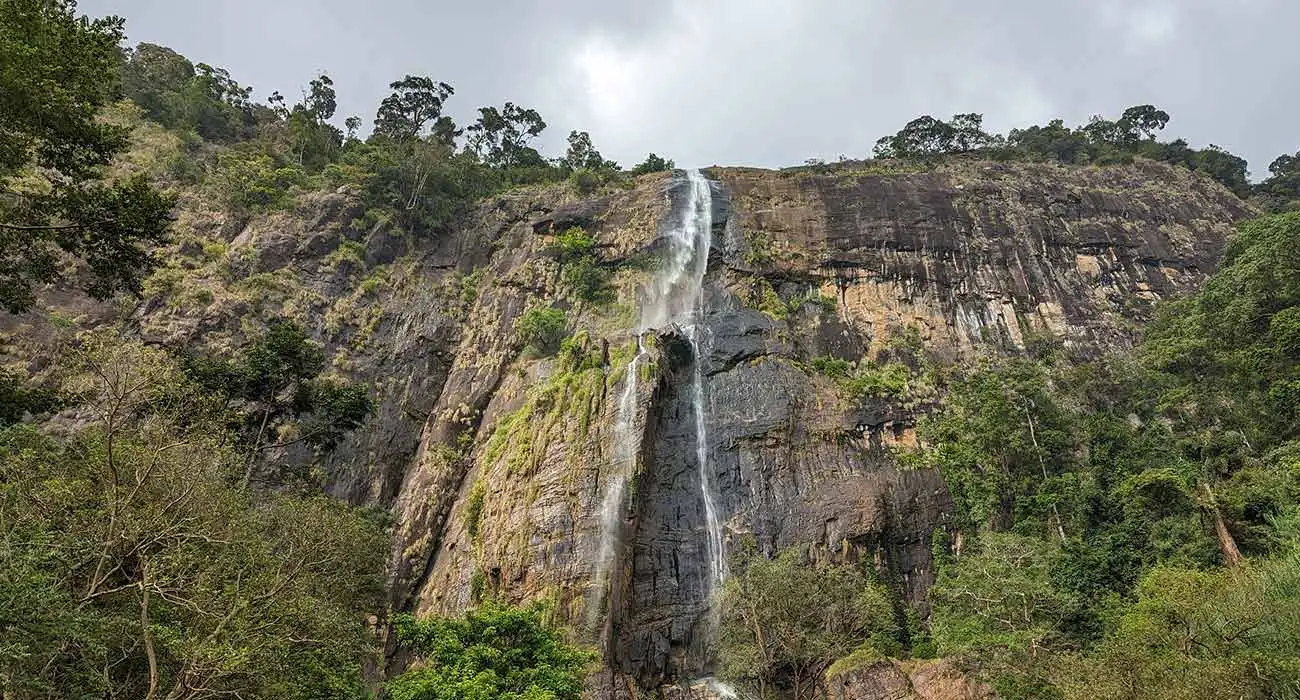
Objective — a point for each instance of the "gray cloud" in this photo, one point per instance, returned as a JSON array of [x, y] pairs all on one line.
[[771, 82]]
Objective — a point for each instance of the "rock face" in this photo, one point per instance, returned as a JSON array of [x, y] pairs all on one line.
[[496, 462], [971, 258]]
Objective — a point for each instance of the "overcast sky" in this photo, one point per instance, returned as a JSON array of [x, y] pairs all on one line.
[[769, 82]]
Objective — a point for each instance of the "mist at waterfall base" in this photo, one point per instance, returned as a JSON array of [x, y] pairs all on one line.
[[673, 298]]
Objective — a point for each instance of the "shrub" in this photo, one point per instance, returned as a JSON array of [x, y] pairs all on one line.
[[585, 181], [832, 367], [574, 242], [249, 182], [785, 622], [495, 651], [348, 252], [588, 281], [888, 381], [542, 329], [758, 248], [474, 508], [469, 285]]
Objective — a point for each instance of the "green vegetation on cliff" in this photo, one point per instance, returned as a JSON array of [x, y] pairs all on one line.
[[1124, 527], [1129, 521], [1099, 142]]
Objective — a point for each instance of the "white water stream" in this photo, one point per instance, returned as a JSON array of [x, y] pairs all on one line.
[[674, 297]]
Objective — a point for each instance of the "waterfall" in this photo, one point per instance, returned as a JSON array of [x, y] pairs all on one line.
[[627, 445], [674, 297]]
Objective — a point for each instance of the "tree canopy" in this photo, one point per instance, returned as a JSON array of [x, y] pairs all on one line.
[[1101, 141], [785, 621], [54, 200], [1125, 518], [132, 566]]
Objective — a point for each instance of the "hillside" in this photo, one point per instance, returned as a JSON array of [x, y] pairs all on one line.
[[288, 413]]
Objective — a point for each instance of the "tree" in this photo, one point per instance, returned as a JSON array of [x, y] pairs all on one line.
[[130, 567], [582, 155], [927, 136], [500, 137], [180, 95], [923, 136], [999, 605], [416, 102], [18, 399], [315, 140], [216, 106], [1224, 167], [541, 328], [653, 164], [153, 77], [1142, 122], [1283, 184], [1104, 132], [1001, 594], [493, 652], [1197, 634], [248, 180], [274, 388], [784, 622], [969, 134], [58, 73], [1004, 444], [1055, 141]]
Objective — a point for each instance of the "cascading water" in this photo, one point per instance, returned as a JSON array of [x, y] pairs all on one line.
[[626, 447], [674, 298]]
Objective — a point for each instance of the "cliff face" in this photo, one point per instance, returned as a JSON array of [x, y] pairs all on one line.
[[499, 465], [966, 259]]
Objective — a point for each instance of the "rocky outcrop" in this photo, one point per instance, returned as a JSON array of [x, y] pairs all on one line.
[[495, 461]]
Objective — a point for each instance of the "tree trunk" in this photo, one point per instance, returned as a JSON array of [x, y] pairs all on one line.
[[1227, 544], [1042, 464], [257, 448], [147, 633]]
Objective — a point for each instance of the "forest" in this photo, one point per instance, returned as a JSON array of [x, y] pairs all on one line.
[[1125, 526]]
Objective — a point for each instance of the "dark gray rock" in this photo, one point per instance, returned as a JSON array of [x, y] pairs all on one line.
[[319, 244], [384, 245], [735, 337], [274, 250]]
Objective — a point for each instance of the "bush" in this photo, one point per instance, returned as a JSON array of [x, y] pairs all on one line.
[[784, 622], [493, 652], [542, 329], [585, 181], [248, 182], [888, 381], [652, 164], [588, 281], [832, 367], [574, 242], [474, 508]]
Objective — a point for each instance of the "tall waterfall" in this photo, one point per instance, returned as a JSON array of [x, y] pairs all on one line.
[[674, 297]]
